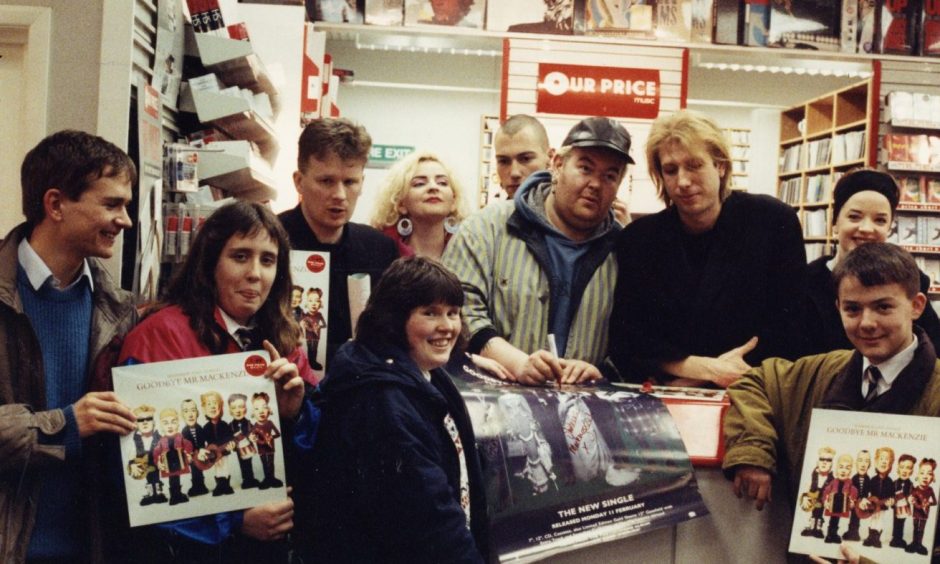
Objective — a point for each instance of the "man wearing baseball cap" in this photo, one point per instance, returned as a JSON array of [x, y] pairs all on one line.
[[538, 268]]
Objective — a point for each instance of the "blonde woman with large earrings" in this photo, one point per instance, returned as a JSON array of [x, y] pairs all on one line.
[[420, 205]]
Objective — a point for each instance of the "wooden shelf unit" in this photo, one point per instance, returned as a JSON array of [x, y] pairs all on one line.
[[739, 140], [819, 141]]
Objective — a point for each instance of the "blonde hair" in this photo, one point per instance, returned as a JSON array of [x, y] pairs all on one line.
[[397, 182], [689, 130]]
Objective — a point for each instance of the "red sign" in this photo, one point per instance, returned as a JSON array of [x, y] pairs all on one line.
[[316, 263], [256, 365], [598, 91]]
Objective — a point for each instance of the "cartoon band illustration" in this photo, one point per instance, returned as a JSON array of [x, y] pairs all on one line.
[[196, 450], [878, 501]]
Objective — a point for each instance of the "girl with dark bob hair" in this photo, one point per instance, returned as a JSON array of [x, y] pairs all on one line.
[[231, 294], [394, 474]]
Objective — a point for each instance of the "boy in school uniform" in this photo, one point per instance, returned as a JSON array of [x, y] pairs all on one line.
[[893, 369]]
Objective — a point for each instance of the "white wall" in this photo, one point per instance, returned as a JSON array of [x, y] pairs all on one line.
[[444, 123], [74, 65], [277, 35], [399, 106], [11, 132]]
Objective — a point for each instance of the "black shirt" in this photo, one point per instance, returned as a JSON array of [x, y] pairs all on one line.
[[361, 249]]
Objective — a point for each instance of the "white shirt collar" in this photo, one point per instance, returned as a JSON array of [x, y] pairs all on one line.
[[38, 272], [890, 369], [230, 324]]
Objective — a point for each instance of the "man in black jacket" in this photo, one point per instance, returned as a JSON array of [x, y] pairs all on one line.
[[332, 154]]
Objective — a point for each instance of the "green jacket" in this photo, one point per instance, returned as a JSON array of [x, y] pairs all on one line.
[[23, 417], [771, 405]]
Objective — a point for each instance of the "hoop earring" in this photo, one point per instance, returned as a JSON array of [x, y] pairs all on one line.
[[404, 227], [451, 225]]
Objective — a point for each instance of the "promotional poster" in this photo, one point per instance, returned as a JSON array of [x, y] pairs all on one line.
[[575, 466], [207, 439], [335, 11], [615, 18], [457, 13], [310, 298], [534, 16], [385, 12], [868, 479], [812, 25]]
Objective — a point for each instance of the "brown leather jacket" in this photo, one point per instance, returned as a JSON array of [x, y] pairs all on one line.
[[23, 417]]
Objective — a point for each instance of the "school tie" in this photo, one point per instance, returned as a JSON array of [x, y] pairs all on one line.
[[244, 337], [873, 376]]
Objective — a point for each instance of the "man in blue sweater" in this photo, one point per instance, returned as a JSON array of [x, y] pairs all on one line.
[[61, 317]]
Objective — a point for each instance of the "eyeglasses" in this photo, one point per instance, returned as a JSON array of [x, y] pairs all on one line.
[[143, 419], [825, 460]]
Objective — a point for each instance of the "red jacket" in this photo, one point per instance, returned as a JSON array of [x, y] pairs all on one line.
[[167, 335]]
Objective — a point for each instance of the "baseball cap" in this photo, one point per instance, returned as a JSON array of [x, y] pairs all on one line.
[[600, 132]]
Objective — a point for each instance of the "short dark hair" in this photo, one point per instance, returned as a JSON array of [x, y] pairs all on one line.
[[907, 458], [409, 283], [879, 264], [340, 136], [520, 122], [860, 180], [193, 287], [70, 161]]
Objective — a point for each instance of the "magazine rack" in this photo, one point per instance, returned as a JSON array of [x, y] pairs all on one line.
[[234, 167]]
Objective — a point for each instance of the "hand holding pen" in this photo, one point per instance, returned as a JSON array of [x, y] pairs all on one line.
[[553, 349], [572, 371]]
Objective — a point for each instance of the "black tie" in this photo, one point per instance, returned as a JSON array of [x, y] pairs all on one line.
[[244, 337], [873, 375]]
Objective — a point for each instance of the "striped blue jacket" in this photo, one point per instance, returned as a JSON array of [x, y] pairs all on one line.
[[501, 260]]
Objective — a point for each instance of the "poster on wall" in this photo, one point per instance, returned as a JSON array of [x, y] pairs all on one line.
[[619, 18], [868, 480], [456, 13], [533, 16], [310, 299], [335, 11], [575, 466], [149, 225], [385, 12], [207, 438], [168, 56]]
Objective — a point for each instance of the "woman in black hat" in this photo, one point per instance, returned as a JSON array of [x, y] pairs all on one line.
[[863, 206]]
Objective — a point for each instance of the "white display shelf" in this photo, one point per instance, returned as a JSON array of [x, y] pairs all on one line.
[[916, 124], [234, 167], [235, 63], [466, 41], [233, 115], [912, 167], [932, 207], [921, 249]]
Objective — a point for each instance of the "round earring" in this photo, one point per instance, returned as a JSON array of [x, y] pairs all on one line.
[[451, 224], [404, 227]]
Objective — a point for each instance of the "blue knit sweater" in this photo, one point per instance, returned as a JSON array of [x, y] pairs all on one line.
[[62, 322]]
